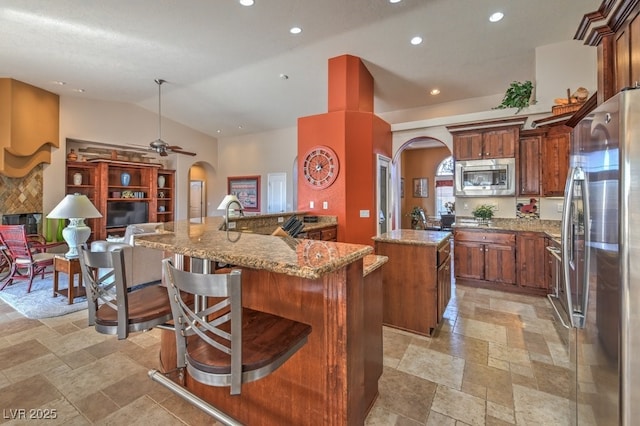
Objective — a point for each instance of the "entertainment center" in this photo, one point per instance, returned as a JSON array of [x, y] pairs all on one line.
[[124, 192]]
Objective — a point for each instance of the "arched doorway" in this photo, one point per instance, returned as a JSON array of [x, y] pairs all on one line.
[[415, 167], [201, 175]]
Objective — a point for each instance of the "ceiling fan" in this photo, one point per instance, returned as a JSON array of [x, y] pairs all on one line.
[[160, 146]]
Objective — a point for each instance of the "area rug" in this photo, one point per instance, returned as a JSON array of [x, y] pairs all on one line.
[[40, 303]]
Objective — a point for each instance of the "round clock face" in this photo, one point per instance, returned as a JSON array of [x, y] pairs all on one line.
[[320, 167]]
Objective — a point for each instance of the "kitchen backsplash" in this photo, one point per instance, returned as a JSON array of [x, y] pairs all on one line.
[[549, 208]]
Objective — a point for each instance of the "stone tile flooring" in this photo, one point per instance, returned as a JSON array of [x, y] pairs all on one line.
[[496, 360]]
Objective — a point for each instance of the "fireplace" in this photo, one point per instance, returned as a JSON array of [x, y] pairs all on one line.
[[30, 220]]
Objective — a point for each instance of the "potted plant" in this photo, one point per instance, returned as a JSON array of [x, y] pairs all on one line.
[[518, 95], [483, 213]]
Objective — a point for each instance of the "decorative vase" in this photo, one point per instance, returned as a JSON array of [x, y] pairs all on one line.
[[125, 178], [72, 156], [160, 181], [77, 179]]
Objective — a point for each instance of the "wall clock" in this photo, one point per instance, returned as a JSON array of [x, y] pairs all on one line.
[[320, 167]]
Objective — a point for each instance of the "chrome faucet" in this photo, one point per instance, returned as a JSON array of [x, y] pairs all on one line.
[[226, 213]]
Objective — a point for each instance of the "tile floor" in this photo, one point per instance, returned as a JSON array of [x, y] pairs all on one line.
[[496, 360]]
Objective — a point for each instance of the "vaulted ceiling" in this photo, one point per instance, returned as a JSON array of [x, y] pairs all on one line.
[[232, 69]]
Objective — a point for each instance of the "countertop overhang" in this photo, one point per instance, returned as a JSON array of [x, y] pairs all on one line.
[[297, 257]]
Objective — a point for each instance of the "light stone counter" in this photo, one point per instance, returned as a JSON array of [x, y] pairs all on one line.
[[302, 258], [414, 237]]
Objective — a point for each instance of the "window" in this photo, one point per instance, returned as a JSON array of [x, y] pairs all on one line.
[[444, 185]]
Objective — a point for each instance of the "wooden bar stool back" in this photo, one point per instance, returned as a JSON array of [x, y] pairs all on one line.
[[112, 308], [224, 344]]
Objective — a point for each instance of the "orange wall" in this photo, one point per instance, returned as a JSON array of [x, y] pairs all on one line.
[[355, 134], [418, 163]]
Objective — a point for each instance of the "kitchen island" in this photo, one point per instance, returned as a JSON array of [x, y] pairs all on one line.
[[417, 279], [333, 378]]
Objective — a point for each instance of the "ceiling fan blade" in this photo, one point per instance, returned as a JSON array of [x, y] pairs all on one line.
[[163, 153], [173, 147], [179, 151]]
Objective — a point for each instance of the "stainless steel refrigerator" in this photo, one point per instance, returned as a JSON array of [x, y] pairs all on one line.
[[601, 264]]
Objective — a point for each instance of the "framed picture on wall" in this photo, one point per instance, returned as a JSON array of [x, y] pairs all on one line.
[[247, 189], [421, 187]]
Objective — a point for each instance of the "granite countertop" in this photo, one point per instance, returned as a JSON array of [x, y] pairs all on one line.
[[551, 227], [372, 262], [266, 224], [298, 257], [414, 237]]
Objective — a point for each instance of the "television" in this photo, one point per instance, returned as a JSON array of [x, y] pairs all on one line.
[[123, 213]]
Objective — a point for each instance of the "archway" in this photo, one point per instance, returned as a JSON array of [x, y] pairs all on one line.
[[200, 199], [414, 179]]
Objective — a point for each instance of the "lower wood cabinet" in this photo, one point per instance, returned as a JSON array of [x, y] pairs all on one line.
[[416, 284], [531, 251], [444, 286], [485, 256], [329, 233], [505, 260]]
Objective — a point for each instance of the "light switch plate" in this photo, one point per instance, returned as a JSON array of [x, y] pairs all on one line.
[[364, 213]]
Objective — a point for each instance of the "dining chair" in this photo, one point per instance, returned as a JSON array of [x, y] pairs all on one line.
[[224, 344], [114, 309], [27, 255]]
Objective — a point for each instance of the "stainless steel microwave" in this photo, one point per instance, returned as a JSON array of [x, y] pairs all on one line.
[[485, 178]]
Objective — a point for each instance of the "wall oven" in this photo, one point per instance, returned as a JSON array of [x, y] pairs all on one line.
[[485, 178]]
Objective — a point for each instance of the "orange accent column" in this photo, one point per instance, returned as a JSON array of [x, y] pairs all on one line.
[[356, 134]]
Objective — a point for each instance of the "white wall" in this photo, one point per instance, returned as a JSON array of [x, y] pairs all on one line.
[[561, 66], [123, 124], [259, 154]]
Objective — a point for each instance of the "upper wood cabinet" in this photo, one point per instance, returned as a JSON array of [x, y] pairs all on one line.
[[496, 139], [615, 30], [477, 145], [555, 160], [529, 166]]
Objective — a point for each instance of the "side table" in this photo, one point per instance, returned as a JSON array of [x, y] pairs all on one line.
[[71, 267]]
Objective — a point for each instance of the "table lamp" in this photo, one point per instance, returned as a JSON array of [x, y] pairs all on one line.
[[76, 208]]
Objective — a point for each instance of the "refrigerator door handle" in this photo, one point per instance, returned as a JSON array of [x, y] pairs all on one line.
[[566, 239], [568, 245], [581, 319]]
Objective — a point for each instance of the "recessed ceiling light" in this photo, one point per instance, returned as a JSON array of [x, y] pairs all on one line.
[[246, 2], [284, 77], [395, 1], [295, 30], [78, 90], [59, 83], [219, 131], [496, 17], [416, 40], [435, 91]]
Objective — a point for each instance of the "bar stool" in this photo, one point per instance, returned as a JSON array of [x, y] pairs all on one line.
[[112, 308], [225, 344]]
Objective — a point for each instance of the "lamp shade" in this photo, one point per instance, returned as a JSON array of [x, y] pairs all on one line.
[[74, 206], [228, 199]]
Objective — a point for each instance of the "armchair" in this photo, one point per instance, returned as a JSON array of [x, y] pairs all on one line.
[[143, 265], [25, 255]]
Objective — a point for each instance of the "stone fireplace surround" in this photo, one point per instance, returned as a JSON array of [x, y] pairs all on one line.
[[22, 196]]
